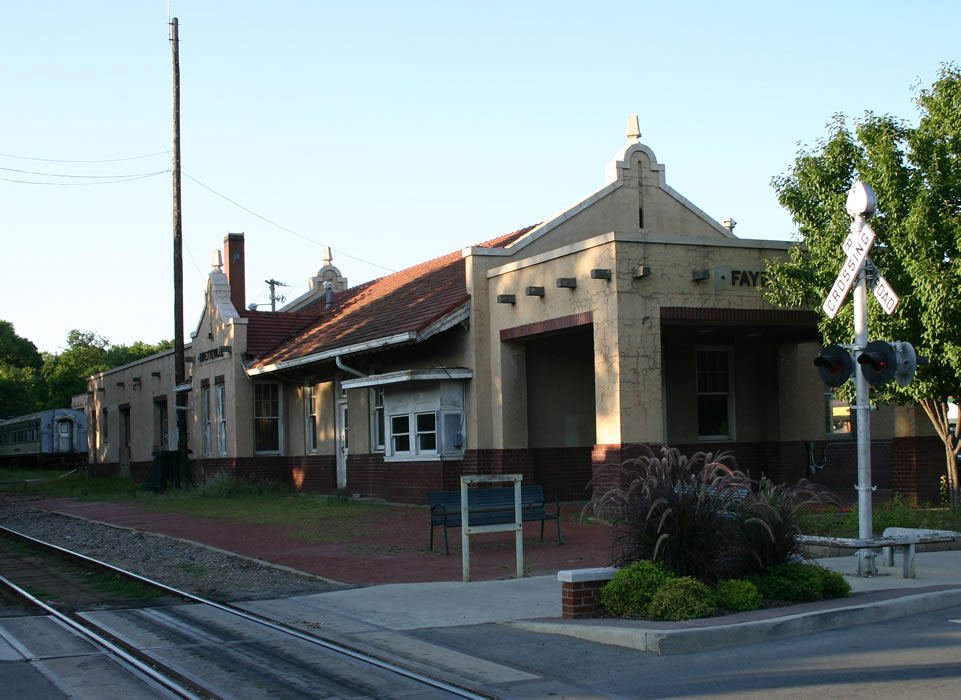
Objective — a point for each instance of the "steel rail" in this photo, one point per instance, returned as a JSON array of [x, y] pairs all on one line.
[[323, 642], [123, 655]]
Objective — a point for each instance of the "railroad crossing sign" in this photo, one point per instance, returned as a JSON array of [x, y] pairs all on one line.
[[886, 296], [861, 204], [855, 247]]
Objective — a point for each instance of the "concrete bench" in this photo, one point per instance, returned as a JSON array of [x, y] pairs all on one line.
[[905, 539]]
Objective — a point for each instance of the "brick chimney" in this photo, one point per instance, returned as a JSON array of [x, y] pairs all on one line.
[[234, 254]]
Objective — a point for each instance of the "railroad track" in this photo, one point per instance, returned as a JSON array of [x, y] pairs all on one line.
[[182, 645]]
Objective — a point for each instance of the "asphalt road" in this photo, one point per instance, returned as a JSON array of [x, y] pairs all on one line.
[[916, 657]]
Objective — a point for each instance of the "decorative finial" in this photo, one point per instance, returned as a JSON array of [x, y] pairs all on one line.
[[328, 258], [217, 260], [633, 129]]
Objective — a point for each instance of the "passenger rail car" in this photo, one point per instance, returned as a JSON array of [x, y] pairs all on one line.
[[55, 437]]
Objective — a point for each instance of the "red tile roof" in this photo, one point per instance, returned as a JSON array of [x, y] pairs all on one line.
[[404, 302]]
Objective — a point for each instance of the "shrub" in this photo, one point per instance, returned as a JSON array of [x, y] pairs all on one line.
[[737, 594], [794, 582], [674, 509], [629, 593], [772, 520], [683, 598], [833, 583]]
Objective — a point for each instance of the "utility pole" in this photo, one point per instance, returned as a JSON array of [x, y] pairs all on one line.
[[179, 362], [274, 298]]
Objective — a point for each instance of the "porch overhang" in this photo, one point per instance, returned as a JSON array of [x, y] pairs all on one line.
[[410, 375]]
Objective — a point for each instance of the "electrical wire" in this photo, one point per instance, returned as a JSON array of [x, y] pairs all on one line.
[[86, 177], [75, 184], [283, 228], [107, 160]]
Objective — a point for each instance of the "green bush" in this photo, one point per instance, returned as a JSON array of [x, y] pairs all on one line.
[[833, 583], [629, 593], [699, 515], [793, 582], [737, 594], [683, 598]]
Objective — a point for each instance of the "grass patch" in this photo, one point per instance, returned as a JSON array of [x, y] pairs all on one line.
[[895, 513], [193, 569], [119, 586]]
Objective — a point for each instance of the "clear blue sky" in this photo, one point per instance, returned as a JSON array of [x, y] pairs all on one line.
[[395, 132]]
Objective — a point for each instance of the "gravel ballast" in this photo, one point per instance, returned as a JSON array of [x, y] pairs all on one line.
[[188, 566]]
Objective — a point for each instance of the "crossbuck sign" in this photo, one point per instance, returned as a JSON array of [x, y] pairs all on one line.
[[855, 248]]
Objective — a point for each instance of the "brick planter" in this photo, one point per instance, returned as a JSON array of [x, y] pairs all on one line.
[[580, 590]]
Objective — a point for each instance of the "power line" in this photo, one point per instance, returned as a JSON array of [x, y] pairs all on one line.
[[76, 184], [85, 177], [283, 228], [107, 160]]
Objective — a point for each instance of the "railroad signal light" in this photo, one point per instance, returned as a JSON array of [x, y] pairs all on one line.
[[834, 365], [908, 361], [879, 362]]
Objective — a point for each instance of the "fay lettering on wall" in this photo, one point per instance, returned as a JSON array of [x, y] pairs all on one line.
[[727, 278]]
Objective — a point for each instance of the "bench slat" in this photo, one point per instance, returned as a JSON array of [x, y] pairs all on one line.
[[491, 506]]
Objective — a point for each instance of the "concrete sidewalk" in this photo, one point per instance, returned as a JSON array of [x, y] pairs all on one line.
[[534, 604]]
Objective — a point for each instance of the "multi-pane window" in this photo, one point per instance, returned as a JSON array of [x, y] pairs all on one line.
[[426, 432], [713, 394], [414, 434], [205, 417], [221, 420], [377, 425], [400, 434], [161, 424], [266, 417], [310, 416]]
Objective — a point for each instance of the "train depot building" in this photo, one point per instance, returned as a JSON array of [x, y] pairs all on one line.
[[631, 317]]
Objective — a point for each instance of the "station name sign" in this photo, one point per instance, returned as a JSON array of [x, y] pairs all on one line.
[[728, 278], [213, 353]]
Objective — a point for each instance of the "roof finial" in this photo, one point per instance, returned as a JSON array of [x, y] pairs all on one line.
[[633, 129], [327, 256], [216, 261]]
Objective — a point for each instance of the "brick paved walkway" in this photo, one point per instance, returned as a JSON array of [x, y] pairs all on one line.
[[392, 548]]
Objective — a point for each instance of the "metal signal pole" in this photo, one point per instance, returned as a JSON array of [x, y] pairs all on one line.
[[179, 369]]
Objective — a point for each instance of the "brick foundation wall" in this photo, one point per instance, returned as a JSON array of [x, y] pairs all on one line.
[[917, 464], [787, 462], [312, 473]]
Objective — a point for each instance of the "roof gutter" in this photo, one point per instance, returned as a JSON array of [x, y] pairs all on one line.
[[449, 320], [398, 339]]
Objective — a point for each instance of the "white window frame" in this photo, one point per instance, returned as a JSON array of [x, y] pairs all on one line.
[[205, 419], [378, 420], [278, 417], [730, 404], [221, 399], [310, 419]]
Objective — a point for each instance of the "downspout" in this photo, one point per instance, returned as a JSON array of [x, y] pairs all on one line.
[[341, 365]]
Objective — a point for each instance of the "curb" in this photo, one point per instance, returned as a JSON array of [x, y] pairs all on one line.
[[692, 639]]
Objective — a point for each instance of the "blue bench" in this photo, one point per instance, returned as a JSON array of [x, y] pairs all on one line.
[[493, 506]]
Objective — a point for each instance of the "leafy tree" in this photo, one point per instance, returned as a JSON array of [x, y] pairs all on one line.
[[16, 351], [87, 353], [915, 172], [19, 365]]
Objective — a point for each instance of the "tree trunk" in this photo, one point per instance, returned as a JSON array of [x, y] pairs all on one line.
[[937, 412]]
